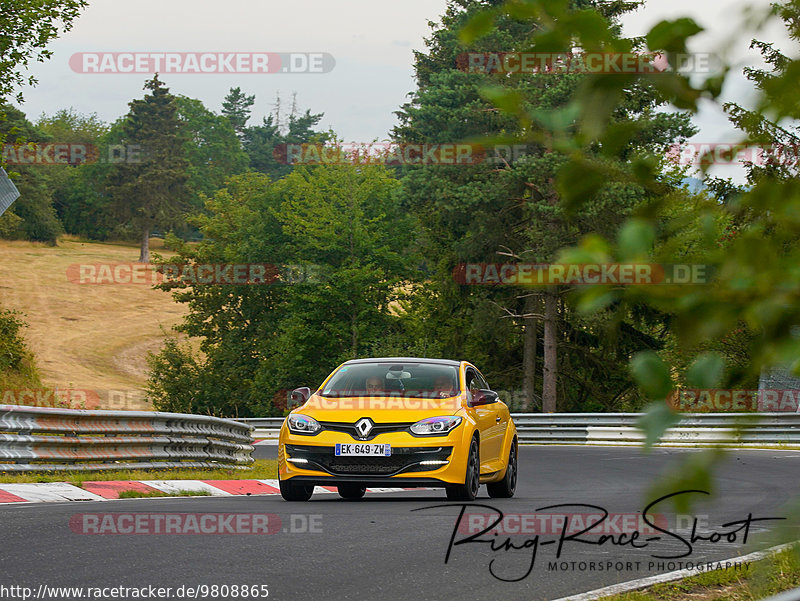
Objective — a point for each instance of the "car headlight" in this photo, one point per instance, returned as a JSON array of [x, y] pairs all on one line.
[[435, 426], [302, 424]]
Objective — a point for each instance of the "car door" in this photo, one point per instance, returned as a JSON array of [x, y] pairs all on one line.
[[485, 415], [499, 423]]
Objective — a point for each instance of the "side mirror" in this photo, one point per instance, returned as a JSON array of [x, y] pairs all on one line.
[[299, 396], [483, 397]]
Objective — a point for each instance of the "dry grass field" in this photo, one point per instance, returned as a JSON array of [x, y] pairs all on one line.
[[86, 337]]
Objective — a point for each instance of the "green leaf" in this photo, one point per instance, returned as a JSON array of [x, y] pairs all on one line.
[[617, 137], [592, 249], [578, 182], [693, 473], [706, 370], [522, 10], [651, 374], [636, 238], [656, 420], [559, 119], [672, 35], [595, 244], [505, 99], [592, 29], [596, 298], [677, 89], [478, 26]]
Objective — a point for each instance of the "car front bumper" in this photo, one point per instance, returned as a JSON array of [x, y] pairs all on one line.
[[405, 467]]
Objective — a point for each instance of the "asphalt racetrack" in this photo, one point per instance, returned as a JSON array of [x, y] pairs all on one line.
[[392, 546]]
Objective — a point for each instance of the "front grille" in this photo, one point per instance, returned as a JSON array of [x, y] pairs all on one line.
[[402, 460], [350, 429]]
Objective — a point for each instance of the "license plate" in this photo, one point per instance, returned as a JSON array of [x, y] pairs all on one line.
[[363, 450]]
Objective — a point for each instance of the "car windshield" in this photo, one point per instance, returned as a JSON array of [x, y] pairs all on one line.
[[427, 380]]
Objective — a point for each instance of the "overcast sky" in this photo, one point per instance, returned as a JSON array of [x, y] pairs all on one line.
[[371, 40]]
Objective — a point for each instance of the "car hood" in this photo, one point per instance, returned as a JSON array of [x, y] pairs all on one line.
[[379, 409]]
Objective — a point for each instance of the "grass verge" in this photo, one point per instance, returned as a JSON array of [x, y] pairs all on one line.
[[107, 371], [137, 494], [770, 576], [262, 469]]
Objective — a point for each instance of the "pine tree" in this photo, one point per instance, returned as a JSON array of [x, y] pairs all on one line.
[[512, 207], [236, 107], [153, 192]]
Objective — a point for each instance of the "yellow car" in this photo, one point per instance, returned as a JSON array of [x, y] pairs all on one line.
[[399, 422]]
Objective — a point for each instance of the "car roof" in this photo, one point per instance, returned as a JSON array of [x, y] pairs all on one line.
[[403, 360]]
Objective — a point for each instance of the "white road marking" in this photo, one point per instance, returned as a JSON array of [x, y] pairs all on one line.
[[632, 585], [50, 491]]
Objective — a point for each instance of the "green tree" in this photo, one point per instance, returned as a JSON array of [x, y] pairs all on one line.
[[67, 183], [344, 230], [234, 324], [749, 235], [345, 220], [81, 196], [33, 215], [152, 192], [211, 148], [72, 127], [236, 107], [262, 141], [509, 208], [28, 26]]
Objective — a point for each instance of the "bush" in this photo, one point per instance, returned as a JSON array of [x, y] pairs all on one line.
[[17, 365]]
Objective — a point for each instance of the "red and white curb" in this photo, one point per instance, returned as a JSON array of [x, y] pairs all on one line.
[[106, 491]]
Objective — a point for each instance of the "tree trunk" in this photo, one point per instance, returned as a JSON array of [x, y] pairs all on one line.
[[144, 253], [550, 374], [529, 354]]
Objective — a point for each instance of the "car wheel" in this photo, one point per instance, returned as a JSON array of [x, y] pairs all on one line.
[[472, 479], [295, 492], [506, 487], [351, 491]]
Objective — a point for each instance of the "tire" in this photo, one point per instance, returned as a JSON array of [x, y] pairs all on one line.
[[506, 487], [472, 478], [352, 491], [295, 492]]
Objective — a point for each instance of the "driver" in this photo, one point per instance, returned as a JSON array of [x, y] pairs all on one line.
[[374, 385], [443, 387]]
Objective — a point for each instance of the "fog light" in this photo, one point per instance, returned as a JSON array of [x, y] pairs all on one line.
[[297, 460], [434, 462]]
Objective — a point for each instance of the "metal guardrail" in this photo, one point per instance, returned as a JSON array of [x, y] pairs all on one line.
[[696, 429], [43, 439]]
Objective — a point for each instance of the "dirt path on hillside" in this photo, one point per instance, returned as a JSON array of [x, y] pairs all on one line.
[[93, 337]]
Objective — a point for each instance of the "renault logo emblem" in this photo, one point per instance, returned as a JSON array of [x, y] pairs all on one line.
[[364, 427]]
